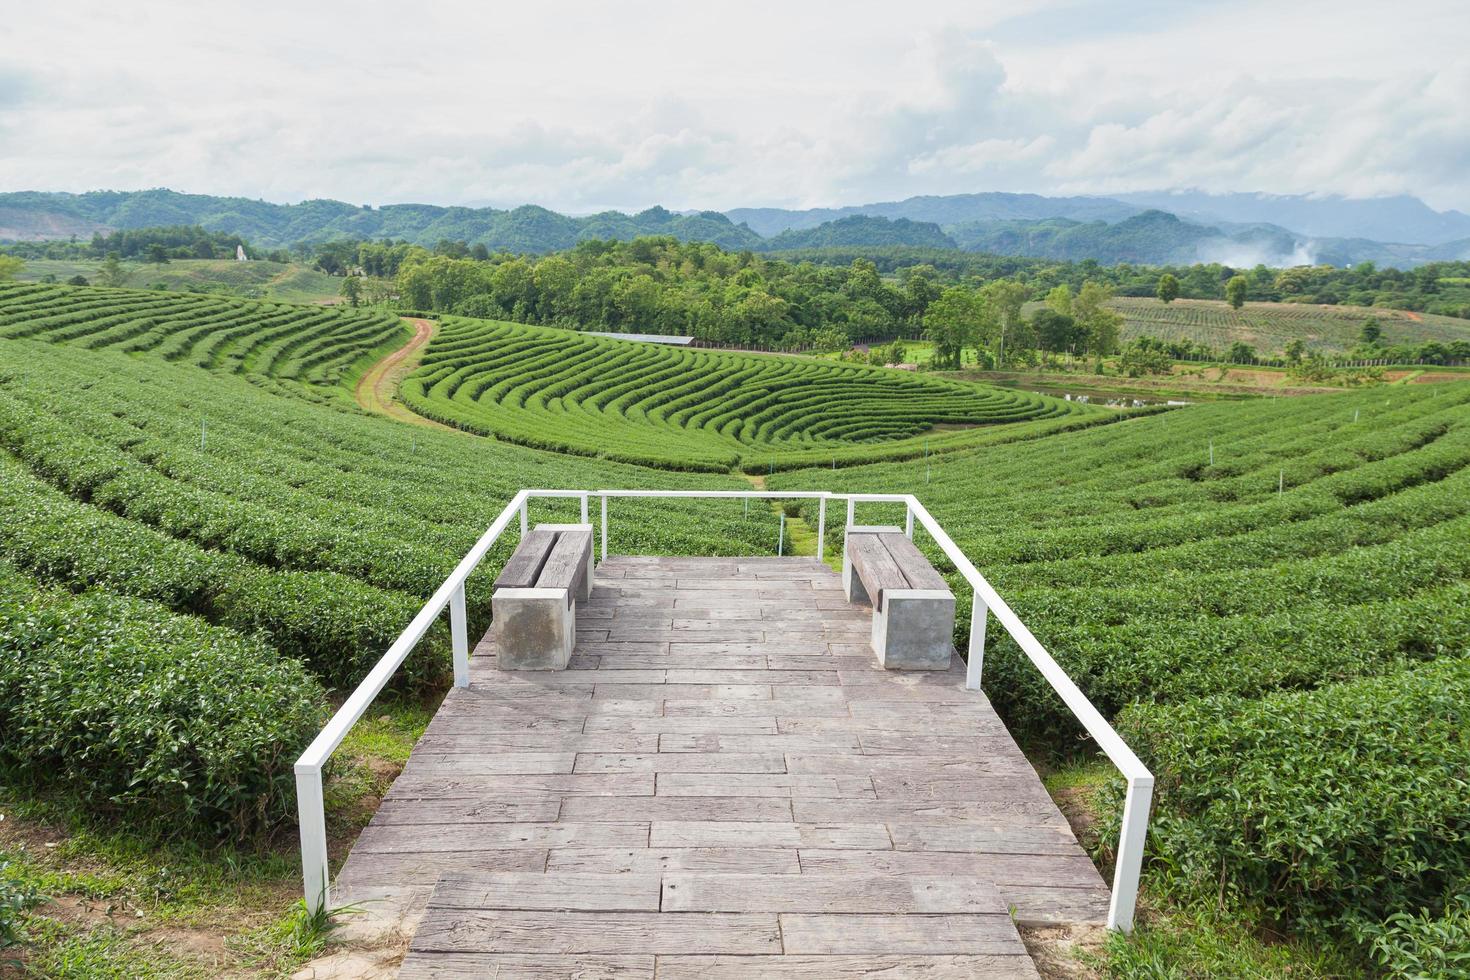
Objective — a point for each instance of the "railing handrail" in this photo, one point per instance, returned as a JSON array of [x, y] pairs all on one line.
[[357, 703], [1097, 726], [310, 803]]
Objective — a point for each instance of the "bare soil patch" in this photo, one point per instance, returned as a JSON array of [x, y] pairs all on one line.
[[377, 389]]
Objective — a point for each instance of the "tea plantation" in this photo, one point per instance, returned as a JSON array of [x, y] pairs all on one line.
[[1283, 634], [179, 499], [203, 539], [695, 410]]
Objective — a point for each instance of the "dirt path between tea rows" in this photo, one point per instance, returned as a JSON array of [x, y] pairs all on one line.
[[377, 388]]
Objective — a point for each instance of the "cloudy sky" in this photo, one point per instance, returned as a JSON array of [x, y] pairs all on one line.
[[581, 106]]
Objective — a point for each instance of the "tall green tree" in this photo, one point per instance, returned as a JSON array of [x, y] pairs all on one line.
[[352, 290], [1059, 300], [1057, 332], [952, 324], [157, 253], [1101, 324], [1003, 300], [112, 272], [919, 291], [1168, 290], [1235, 291]]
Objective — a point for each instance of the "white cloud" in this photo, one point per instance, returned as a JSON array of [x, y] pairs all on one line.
[[581, 106]]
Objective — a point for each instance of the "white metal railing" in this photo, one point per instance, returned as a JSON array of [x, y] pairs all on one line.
[[986, 602]]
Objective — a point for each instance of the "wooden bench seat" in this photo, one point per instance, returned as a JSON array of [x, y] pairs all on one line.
[[534, 604], [913, 608]]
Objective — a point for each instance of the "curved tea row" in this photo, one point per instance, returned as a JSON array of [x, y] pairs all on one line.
[[681, 409], [307, 347]]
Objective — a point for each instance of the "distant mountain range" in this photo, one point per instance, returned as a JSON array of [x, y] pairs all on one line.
[[943, 211], [1402, 219], [32, 215], [1153, 229]]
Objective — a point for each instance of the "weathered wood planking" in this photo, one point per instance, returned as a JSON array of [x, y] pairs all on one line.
[[495, 930], [722, 784], [524, 565], [1005, 967], [525, 966]]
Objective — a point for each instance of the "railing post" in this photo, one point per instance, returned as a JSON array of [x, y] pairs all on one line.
[[975, 659], [908, 521], [459, 637], [312, 818], [1131, 841], [851, 505], [524, 526], [821, 525], [584, 508], [604, 527]]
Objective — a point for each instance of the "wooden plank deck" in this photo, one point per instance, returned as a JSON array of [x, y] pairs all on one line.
[[722, 784]]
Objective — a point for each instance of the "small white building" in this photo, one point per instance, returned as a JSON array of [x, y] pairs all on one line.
[[240, 255]]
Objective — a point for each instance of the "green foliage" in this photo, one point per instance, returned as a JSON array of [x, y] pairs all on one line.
[[1235, 291], [304, 932], [1203, 942], [1371, 333], [1428, 945], [1282, 632], [1002, 323], [861, 229], [675, 409], [1202, 328], [1324, 808], [305, 350], [352, 290], [1316, 369], [17, 895], [1100, 324], [112, 273], [952, 323], [1241, 353], [1168, 290], [1145, 356], [10, 267], [156, 244], [1231, 612], [133, 710]]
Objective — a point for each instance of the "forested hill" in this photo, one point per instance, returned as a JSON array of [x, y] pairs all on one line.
[[1152, 237], [1075, 229], [861, 229], [34, 215]]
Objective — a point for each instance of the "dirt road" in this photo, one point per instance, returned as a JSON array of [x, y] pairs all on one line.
[[377, 388]]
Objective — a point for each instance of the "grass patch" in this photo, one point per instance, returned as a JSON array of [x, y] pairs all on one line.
[[1192, 944], [97, 902]]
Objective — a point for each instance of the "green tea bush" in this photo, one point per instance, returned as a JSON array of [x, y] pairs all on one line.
[[696, 410], [301, 347], [135, 711], [1426, 946], [1321, 808], [1168, 660], [17, 895], [338, 625]]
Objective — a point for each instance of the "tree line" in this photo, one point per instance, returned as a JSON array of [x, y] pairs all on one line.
[[146, 245], [1436, 287]]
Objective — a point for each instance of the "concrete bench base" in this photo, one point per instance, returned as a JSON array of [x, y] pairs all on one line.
[[535, 629], [913, 628], [535, 599]]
